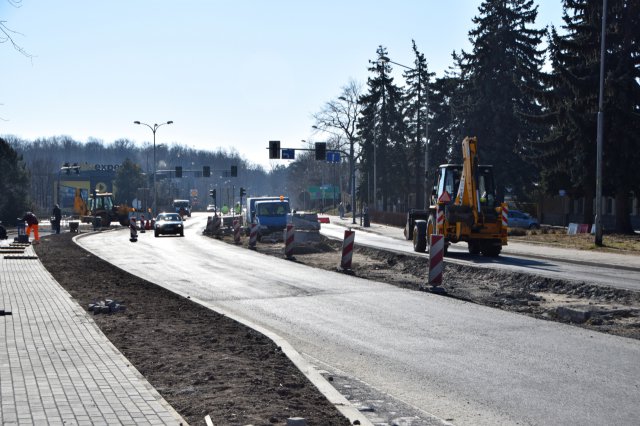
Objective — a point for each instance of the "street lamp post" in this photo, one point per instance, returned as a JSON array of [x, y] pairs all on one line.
[[426, 126], [154, 128]]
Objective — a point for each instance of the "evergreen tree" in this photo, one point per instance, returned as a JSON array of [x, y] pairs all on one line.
[[568, 150], [416, 112], [381, 133], [14, 184], [445, 133], [504, 61]]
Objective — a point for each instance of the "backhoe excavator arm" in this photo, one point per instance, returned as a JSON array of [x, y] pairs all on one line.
[[468, 189]]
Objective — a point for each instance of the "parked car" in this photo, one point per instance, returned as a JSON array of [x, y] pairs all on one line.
[[518, 219], [168, 223], [211, 208]]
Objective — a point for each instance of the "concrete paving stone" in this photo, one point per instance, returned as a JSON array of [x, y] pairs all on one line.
[[50, 350]]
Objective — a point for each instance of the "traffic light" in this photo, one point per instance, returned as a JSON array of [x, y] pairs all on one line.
[[321, 151], [206, 171], [212, 193], [234, 171], [243, 192], [178, 171], [274, 149]]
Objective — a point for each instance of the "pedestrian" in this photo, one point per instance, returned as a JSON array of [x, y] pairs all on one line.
[[341, 210], [32, 223], [57, 217]]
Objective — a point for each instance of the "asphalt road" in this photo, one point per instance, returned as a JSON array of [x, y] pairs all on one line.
[[469, 364], [615, 270]]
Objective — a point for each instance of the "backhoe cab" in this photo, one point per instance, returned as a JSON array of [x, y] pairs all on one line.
[[463, 207]]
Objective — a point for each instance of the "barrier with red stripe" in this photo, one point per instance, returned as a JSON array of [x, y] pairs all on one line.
[[347, 249], [236, 231], [505, 216], [436, 258], [439, 220], [288, 241], [253, 236]]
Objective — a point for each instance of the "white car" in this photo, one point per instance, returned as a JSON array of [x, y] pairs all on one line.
[[211, 208]]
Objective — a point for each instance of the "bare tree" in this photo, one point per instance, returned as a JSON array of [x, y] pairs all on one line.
[[7, 34], [340, 117]]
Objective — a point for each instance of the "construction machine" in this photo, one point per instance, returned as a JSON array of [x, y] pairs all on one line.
[[100, 205], [462, 207]]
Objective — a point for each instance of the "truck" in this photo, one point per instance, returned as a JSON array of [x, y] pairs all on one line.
[[462, 207], [182, 207], [269, 213]]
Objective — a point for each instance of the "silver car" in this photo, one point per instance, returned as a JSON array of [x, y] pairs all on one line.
[[168, 223]]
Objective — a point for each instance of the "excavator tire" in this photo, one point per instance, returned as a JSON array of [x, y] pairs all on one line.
[[474, 247], [431, 229], [420, 236]]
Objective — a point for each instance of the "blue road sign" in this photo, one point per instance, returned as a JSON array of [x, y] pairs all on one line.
[[288, 154], [333, 157]]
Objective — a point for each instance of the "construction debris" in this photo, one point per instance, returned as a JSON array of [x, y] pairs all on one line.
[[107, 306]]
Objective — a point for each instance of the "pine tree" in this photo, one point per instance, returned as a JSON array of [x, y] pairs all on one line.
[[445, 133], [381, 133], [504, 61], [14, 184], [568, 150], [416, 111]]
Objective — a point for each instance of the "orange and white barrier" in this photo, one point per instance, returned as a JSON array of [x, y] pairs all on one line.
[[505, 216], [288, 241], [439, 220], [436, 260], [253, 236], [347, 249]]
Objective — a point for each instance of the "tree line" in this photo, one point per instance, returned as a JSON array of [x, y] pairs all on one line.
[[29, 170], [529, 95]]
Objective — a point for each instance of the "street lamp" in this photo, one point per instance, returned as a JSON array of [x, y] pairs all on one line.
[[426, 126], [153, 129]]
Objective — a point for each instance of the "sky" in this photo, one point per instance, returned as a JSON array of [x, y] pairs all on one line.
[[231, 75]]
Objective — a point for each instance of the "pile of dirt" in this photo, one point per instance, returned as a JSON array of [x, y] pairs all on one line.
[[201, 362]]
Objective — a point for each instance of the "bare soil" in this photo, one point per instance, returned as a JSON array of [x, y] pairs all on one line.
[[203, 363]]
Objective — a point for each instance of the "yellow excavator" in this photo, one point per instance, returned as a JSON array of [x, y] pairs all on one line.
[[462, 207], [100, 205]]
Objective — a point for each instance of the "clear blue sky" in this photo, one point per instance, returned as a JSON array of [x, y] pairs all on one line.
[[230, 74]]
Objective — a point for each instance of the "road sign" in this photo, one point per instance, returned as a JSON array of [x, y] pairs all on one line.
[[444, 198], [333, 157], [288, 154]]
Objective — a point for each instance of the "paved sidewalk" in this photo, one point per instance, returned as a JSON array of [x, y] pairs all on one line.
[[56, 366]]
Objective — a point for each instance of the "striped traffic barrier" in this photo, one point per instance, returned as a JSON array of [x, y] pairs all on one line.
[[288, 241], [505, 216], [347, 249], [253, 236], [439, 220], [436, 258], [236, 231]]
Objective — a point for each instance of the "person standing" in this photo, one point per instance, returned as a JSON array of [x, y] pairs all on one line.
[[57, 217], [32, 223]]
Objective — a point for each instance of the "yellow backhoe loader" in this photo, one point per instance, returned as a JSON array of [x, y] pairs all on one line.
[[462, 207]]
